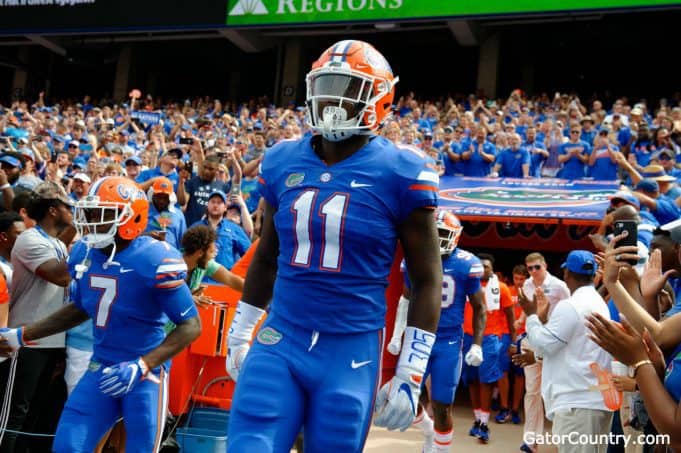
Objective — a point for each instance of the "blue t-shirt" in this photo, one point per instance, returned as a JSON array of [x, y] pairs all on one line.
[[512, 162], [173, 219], [666, 210], [603, 169], [536, 159], [151, 173], [461, 274], [573, 168], [338, 229], [131, 301], [232, 241], [476, 165], [672, 375]]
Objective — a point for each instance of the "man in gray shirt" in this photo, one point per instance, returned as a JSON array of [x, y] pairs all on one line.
[[39, 287]]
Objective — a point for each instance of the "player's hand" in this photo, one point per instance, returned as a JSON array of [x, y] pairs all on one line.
[[235, 358], [10, 340], [397, 401], [474, 355], [120, 379]]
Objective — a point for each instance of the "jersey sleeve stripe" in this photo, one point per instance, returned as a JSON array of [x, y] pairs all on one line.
[[261, 180], [429, 176], [172, 260], [423, 187], [162, 269], [169, 284], [167, 275]]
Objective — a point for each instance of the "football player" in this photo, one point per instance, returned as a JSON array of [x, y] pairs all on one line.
[[460, 282], [130, 285], [336, 204]]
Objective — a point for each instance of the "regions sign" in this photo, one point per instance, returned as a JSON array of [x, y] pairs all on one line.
[[276, 12], [527, 200]]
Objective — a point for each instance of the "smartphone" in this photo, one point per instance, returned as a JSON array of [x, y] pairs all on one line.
[[631, 227], [186, 141], [236, 190]]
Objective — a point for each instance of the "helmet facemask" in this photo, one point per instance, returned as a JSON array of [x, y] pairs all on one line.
[[97, 221]]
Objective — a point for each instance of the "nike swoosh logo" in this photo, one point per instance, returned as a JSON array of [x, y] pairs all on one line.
[[186, 311], [452, 342], [355, 184], [124, 270], [356, 365]]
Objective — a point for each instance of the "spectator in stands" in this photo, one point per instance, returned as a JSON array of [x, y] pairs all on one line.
[[648, 193], [232, 241], [166, 167], [479, 155], [588, 132], [667, 160], [166, 222], [573, 155], [537, 151], [195, 192], [514, 161], [604, 157], [568, 355], [80, 186], [133, 166]]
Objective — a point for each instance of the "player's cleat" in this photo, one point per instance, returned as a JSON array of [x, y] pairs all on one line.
[[483, 433], [527, 449], [515, 418], [475, 430], [504, 416]]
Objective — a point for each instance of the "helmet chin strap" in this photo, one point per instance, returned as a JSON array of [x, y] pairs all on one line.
[[332, 119]]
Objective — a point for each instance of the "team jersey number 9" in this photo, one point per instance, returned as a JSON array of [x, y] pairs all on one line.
[[332, 211], [448, 291]]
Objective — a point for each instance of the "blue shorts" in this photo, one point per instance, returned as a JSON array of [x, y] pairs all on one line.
[[504, 358], [488, 372], [294, 378], [89, 414], [444, 368]]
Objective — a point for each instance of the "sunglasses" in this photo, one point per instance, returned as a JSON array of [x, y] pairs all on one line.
[[574, 132], [73, 146], [536, 267]]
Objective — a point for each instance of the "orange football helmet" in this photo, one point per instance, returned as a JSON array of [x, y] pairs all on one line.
[[350, 91], [114, 205], [449, 230]]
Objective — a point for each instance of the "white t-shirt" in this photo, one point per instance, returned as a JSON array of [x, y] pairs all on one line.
[[554, 288], [31, 297]]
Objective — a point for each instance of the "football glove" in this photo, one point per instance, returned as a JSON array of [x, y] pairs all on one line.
[[400, 324], [474, 355], [120, 379], [397, 401], [14, 338], [240, 333]]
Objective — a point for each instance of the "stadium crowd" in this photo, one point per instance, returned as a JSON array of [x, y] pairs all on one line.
[[198, 161]]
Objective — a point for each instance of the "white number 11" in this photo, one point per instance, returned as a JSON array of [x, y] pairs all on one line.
[[332, 211]]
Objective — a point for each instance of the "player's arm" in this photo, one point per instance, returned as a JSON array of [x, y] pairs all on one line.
[[65, 318], [182, 336], [419, 239], [257, 294], [477, 301]]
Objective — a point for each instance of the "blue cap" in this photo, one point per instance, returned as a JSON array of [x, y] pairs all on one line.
[[648, 185], [626, 197], [580, 262], [133, 159], [79, 162], [11, 160], [220, 194]]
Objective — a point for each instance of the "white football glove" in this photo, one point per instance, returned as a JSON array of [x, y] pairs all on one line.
[[474, 355], [240, 333], [14, 338], [397, 401], [400, 324]]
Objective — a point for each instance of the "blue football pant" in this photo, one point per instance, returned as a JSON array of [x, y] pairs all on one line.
[[444, 368], [324, 383], [89, 414]]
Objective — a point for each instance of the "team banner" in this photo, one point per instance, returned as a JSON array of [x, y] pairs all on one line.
[[545, 201], [275, 12], [150, 118]]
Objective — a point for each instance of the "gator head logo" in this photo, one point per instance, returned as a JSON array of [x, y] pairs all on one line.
[[526, 197], [294, 179], [269, 336]]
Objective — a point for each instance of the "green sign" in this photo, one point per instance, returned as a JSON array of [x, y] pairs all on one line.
[[279, 12]]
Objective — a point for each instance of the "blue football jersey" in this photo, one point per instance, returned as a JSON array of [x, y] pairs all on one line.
[[130, 302], [338, 229], [461, 274]]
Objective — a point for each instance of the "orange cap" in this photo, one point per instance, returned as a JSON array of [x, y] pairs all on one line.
[[163, 185]]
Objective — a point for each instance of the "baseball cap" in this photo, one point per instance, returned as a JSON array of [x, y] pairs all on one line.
[[448, 129], [648, 185], [75, 143], [626, 197], [587, 118], [82, 177], [176, 152], [636, 111], [11, 160], [79, 162], [580, 262], [133, 160], [666, 152], [27, 153], [428, 134], [162, 185], [674, 229], [22, 140], [49, 190], [220, 194]]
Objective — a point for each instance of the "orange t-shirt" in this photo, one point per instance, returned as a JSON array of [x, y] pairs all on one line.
[[517, 311], [496, 319], [4, 292]]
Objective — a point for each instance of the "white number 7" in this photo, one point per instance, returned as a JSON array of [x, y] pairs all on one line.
[[109, 287]]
